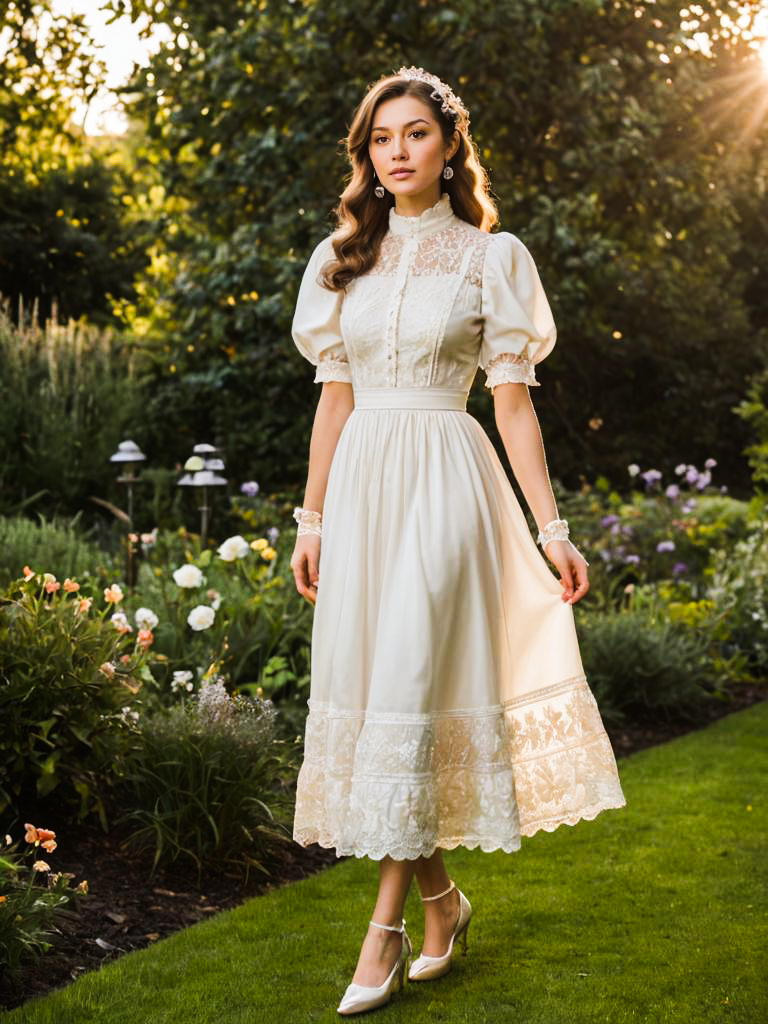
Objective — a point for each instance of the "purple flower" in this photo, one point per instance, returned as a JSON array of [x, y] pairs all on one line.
[[710, 463], [632, 559], [672, 492], [272, 534], [679, 568], [679, 470], [689, 506], [651, 476], [250, 488], [609, 520], [704, 479], [665, 545], [691, 475]]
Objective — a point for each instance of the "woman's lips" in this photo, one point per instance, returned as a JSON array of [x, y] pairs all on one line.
[[401, 174]]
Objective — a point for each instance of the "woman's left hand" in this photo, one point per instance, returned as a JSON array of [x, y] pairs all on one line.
[[572, 566]]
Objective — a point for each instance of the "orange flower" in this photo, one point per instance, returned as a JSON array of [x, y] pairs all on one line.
[[3, 899], [31, 835], [113, 594], [82, 886], [70, 586], [145, 638], [84, 604], [133, 538], [49, 845], [40, 865], [52, 586], [125, 658], [28, 573], [45, 833]]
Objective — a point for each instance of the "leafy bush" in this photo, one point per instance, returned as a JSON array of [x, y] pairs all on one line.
[[57, 543], [739, 586], [643, 668], [28, 911], [209, 783], [68, 678]]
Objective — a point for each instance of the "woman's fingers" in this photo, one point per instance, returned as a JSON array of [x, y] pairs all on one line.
[[304, 565], [582, 580]]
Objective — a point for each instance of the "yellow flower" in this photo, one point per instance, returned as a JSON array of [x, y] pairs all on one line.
[[269, 554], [82, 886], [260, 544]]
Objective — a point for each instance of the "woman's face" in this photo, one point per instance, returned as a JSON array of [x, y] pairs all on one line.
[[407, 149]]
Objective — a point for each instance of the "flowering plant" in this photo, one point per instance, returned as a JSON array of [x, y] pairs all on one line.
[[69, 672], [28, 909]]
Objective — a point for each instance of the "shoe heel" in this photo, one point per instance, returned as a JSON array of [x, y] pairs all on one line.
[[464, 934]]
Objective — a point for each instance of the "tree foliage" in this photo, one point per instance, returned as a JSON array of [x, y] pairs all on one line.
[[66, 240]]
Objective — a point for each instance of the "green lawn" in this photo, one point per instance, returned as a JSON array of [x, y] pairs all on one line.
[[655, 913]]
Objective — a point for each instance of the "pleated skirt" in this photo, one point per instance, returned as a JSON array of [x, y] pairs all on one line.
[[448, 704]]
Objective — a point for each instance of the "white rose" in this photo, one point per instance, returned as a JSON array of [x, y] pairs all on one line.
[[201, 617], [234, 547], [188, 576], [146, 618]]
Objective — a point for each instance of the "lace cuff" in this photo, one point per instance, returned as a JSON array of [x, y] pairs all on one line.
[[509, 368], [333, 369]]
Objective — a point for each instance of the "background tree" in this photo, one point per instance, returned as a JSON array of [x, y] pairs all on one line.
[[67, 240]]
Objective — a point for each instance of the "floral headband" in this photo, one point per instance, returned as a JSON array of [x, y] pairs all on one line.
[[451, 103]]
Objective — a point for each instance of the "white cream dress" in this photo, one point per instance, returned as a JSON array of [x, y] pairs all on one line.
[[448, 704]]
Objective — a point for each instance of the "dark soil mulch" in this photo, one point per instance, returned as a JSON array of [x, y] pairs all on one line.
[[126, 910]]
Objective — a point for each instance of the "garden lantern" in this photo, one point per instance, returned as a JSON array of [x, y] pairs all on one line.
[[128, 453], [201, 471]]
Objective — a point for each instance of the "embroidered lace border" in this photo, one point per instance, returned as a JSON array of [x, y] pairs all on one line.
[[373, 785]]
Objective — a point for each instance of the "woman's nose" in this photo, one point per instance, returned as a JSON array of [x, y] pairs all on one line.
[[398, 147]]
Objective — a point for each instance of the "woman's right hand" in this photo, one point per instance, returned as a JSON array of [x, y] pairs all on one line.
[[305, 564]]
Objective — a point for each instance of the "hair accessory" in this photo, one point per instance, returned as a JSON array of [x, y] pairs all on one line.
[[451, 103], [309, 521]]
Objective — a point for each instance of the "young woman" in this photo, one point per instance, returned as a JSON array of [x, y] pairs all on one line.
[[448, 703]]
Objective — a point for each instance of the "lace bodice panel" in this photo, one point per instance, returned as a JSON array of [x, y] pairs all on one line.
[[442, 298]]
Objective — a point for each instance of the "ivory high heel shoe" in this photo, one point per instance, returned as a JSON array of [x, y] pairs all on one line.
[[359, 998], [425, 967]]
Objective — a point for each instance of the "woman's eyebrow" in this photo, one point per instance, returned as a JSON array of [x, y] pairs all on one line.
[[408, 125]]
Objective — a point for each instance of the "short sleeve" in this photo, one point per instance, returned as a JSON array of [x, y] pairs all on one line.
[[518, 328], [315, 328]]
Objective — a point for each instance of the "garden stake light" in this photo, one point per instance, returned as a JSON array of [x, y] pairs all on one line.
[[128, 452], [201, 472]]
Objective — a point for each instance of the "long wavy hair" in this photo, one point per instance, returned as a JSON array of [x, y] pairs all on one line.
[[363, 218]]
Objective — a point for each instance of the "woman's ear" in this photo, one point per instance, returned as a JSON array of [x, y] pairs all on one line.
[[453, 146]]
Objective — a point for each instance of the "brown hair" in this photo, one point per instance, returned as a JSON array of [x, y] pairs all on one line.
[[363, 218]]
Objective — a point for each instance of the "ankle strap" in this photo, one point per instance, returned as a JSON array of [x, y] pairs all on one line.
[[389, 927], [451, 887]]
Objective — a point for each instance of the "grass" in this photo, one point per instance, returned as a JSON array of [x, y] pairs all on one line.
[[655, 913]]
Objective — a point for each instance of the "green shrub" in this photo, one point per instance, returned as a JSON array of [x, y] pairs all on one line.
[[643, 668], [209, 784], [68, 395], [739, 587], [28, 911], [65, 692], [59, 544]]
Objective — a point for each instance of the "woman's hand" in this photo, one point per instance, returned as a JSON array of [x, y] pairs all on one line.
[[305, 562], [572, 567]]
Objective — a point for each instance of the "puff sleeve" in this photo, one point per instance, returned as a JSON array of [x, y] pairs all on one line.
[[518, 328], [315, 328]]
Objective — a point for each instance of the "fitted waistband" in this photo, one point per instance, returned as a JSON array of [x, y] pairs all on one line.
[[411, 398]]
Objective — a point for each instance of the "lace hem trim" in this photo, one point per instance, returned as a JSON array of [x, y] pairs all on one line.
[[509, 368], [401, 785], [333, 369]]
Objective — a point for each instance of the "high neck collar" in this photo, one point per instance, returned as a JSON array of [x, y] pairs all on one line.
[[432, 219]]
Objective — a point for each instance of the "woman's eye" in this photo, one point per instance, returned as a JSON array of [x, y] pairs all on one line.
[[418, 131]]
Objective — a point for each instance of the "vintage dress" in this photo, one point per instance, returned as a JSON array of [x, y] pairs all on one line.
[[448, 704]]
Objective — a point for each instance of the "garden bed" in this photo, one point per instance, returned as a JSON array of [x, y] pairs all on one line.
[[126, 910]]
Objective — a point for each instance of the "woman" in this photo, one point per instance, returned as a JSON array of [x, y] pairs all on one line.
[[448, 704]]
